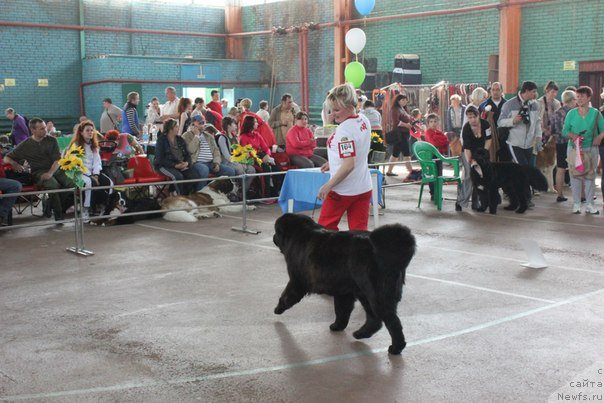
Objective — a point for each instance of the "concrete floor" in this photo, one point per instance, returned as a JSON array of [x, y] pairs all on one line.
[[167, 312]]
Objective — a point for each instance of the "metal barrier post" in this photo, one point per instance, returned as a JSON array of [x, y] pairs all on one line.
[[374, 200], [78, 203], [244, 228]]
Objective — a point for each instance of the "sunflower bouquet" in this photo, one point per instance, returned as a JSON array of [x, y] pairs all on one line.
[[377, 142], [73, 165], [245, 155]]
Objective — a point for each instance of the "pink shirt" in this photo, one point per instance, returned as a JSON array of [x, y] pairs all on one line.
[[300, 141]]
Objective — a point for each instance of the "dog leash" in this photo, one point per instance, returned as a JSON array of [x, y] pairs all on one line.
[[314, 208]]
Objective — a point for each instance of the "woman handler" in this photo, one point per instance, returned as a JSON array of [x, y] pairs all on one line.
[[349, 189]]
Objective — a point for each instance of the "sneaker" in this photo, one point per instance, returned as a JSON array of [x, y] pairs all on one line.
[[530, 204], [3, 221], [86, 215], [591, 209], [391, 174], [457, 207], [70, 210], [560, 199], [576, 208]]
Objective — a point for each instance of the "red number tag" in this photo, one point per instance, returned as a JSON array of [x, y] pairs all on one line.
[[347, 149]]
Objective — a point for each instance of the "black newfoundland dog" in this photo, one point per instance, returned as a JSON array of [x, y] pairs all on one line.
[[515, 180], [349, 265]]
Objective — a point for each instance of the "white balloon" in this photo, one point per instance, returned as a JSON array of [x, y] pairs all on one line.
[[355, 40]]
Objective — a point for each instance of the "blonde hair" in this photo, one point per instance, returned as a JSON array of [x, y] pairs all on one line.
[[568, 96], [246, 103], [343, 95], [455, 97], [132, 96], [478, 95]]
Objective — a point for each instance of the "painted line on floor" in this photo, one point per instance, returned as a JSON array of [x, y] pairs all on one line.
[[153, 308], [510, 259], [303, 364], [273, 248], [216, 238], [468, 253], [509, 294]]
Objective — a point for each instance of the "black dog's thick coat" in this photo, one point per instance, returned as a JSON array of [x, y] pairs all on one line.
[[349, 265], [514, 179]]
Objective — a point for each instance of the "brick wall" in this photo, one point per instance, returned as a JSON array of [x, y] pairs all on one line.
[[453, 48], [284, 49], [29, 54], [553, 33]]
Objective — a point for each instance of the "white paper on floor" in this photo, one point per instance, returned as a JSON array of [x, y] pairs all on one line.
[[534, 254]]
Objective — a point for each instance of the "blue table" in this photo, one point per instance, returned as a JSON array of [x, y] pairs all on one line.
[[302, 186]]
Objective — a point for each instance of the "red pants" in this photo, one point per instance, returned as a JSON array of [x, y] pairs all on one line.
[[336, 205]]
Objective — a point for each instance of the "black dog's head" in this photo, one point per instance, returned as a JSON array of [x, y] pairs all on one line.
[[482, 157], [290, 224], [224, 186]]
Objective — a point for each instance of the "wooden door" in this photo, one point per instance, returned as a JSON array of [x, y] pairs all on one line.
[[591, 73]]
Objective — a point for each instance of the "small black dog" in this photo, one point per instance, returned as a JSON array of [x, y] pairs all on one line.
[[349, 265], [514, 179]]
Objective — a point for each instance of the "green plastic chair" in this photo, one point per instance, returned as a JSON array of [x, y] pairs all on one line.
[[427, 154], [63, 142]]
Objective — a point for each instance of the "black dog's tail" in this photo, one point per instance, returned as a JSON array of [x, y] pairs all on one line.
[[394, 247], [536, 178]]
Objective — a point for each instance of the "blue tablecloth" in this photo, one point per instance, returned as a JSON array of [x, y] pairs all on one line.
[[302, 186]]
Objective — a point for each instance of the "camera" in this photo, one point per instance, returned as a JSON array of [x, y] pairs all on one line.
[[525, 114]]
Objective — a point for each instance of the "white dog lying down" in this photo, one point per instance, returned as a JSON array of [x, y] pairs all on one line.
[[214, 193]]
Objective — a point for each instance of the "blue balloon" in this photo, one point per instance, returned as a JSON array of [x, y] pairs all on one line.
[[364, 7]]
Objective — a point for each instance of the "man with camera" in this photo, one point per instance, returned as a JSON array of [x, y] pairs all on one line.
[[521, 115]]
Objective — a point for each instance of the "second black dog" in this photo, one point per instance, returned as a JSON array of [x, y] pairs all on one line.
[[515, 180]]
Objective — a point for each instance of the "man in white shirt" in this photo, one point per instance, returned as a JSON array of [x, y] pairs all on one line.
[[169, 110]]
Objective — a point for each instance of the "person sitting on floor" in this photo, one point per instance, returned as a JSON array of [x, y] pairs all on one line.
[[204, 151], [172, 158], [300, 144], [42, 153]]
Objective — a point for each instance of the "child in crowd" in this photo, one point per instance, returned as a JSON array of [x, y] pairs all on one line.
[[435, 136], [417, 124], [438, 139]]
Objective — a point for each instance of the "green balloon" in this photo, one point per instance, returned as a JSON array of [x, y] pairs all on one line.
[[355, 74]]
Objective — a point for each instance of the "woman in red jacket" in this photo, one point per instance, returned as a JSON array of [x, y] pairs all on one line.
[[250, 135], [300, 144]]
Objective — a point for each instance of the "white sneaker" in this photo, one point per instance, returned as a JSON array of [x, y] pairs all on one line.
[[591, 209], [70, 210], [576, 208], [85, 215]]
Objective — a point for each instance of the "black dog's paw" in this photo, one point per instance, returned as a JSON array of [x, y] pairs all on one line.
[[396, 350], [521, 210], [493, 212], [336, 327], [279, 310], [366, 332]]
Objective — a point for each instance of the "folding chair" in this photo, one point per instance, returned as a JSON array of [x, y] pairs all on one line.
[[144, 173]]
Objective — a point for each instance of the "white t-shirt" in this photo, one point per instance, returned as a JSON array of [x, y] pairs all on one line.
[[352, 139], [170, 108]]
